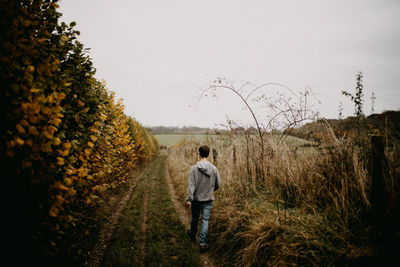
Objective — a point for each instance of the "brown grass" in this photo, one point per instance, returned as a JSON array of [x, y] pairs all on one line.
[[310, 207]]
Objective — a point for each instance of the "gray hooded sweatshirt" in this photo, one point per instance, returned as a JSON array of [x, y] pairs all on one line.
[[203, 181]]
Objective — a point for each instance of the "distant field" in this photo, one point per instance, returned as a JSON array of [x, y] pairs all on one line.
[[171, 139], [298, 141]]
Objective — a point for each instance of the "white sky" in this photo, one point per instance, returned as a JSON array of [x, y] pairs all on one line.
[[156, 54]]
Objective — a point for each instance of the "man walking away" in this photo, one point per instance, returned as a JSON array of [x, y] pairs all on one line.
[[203, 181]]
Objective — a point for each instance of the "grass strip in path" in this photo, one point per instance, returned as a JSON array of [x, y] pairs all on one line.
[[165, 239], [125, 246]]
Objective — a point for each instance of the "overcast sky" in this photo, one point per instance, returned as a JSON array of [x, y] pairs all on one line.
[[156, 54]]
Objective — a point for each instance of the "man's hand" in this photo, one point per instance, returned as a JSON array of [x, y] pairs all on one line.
[[188, 204]]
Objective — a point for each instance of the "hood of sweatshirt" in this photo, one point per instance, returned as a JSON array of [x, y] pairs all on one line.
[[205, 167]]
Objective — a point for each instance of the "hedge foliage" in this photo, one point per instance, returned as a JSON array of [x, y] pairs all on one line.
[[65, 141]]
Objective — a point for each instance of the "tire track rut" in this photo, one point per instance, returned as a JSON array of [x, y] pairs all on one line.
[[144, 227]]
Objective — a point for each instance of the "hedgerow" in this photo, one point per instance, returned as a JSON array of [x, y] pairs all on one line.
[[65, 141]]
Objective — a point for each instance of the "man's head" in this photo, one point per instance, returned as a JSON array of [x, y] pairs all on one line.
[[204, 151]]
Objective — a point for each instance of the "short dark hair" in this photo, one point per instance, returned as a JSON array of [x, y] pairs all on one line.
[[204, 151]]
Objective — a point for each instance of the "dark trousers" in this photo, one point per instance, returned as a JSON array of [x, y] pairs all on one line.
[[203, 207]]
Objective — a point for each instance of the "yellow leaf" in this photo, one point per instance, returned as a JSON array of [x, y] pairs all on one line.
[[103, 117], [35, 108], [29, 142], [24, 123], [60, 161], [19, 141], [24, 106], [71, 192], [76, 117], [60, 186], [60, 199], [20, 128], [67, 145], [61, 96], [56, 122], [32, 119], [68, 181], [56, 141], [53, 212], [50, 99], [46, 110], [32, 130], [63, 38], [47, 134], [11, 144]]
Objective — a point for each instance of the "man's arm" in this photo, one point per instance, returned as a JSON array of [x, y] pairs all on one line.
[[217, 180], [191, 185]]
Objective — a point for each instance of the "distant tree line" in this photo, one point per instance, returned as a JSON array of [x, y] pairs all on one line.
[[387, 123]]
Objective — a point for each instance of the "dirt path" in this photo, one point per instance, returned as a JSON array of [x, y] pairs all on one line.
[[149, 230], [205, 258], [106, 233]]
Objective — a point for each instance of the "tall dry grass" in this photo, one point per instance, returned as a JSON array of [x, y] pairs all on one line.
[[309, 206]]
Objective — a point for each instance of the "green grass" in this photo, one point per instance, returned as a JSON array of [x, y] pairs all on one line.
[[171, 139], [166, 241], [124, 248], [298, 141]]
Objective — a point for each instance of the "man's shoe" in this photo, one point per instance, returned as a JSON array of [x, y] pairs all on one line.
[[203, 248]]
